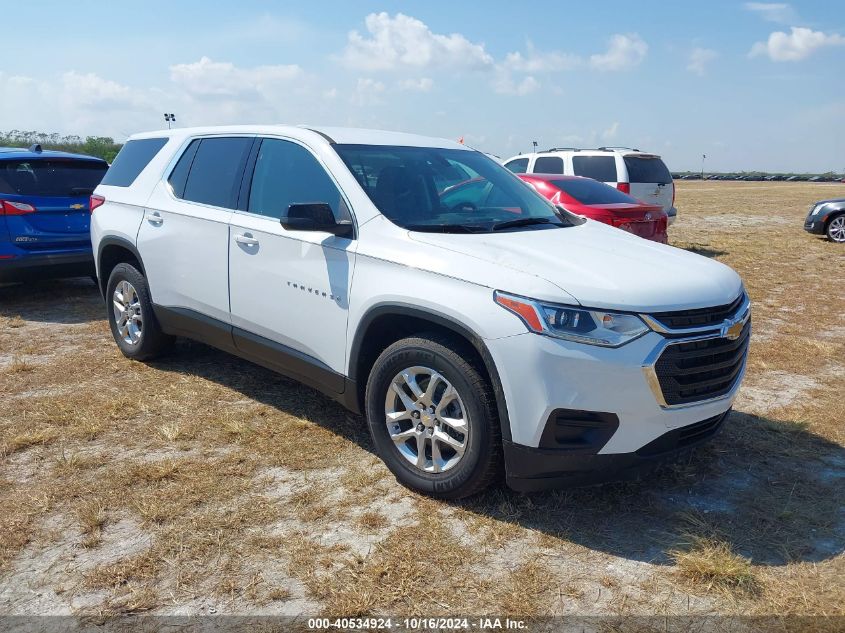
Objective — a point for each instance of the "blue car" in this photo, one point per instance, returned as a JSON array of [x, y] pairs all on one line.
[[45, 214]]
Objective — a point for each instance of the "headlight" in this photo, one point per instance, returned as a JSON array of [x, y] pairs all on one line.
[[816, 209], [593, 327]]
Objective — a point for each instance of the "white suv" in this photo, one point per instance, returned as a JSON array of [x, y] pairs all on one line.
[[476, 327], [644, 176]]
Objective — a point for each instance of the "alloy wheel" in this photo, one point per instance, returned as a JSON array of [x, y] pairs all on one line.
[[426, 419], [127, 312], [836, 229]]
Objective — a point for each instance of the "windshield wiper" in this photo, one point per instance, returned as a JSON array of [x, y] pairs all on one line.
[[498, 226], [445, 228]]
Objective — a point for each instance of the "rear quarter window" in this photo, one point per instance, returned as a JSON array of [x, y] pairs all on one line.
[[131, 161], [649, 169], [601, 168], [518, 166], [548, 165]]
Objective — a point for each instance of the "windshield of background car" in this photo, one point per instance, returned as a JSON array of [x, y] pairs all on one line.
[[449, 190], [587, 191]]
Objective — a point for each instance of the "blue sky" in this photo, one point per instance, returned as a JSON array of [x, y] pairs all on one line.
[[752, 85]]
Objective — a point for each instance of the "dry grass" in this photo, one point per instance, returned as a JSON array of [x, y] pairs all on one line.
[[91, 515], [201, 478], [22, 441], [19, 366], [14, 322], [712, 564]]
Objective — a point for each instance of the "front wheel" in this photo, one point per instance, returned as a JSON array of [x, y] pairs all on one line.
[[130, 311], [432, 416], [836, 229]]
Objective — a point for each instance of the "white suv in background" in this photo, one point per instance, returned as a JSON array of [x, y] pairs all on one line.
[[644, 176], [478, 328]]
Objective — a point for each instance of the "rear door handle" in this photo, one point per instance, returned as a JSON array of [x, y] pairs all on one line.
[[246, 240], [155, 218]]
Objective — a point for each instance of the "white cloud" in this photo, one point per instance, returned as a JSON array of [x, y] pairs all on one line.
[[367, 92], [699, 58], [423, 84], [610, 133], [534, 61], [780, 12], [795, 46], [624, 52], [88, 104], [403, 41], [91, 91], [207, 78], [505, 84]]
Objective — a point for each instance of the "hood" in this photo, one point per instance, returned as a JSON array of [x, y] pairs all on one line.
[[601, 267]]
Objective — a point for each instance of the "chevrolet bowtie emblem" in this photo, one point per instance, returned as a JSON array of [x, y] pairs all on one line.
[[732, 331], [77, 206]]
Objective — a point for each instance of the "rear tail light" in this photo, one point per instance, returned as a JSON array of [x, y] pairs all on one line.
[[624, 187], [96, 201], [7, 207]]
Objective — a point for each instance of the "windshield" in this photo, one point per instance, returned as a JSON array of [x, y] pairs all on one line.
[[588, 191], [448, 190], [42, 177]]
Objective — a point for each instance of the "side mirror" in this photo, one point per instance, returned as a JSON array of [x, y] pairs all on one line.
[[315, 216]]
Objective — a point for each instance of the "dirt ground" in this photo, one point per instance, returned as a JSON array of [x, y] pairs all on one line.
[[203, 484]]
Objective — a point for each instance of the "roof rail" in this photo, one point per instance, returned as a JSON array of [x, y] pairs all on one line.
[[559, 149], [609, 148]]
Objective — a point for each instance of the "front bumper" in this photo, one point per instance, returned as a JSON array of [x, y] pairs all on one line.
[[814, 224], [542, 376], [28, 266], [532, 469]]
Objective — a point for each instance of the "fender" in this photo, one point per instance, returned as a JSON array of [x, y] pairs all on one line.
[[445, 321], [115, 241]]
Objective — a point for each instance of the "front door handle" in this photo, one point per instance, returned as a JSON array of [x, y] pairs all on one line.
[[155, 218], [246, 240]]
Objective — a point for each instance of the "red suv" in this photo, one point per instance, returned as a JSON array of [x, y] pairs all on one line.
[[598, 201]]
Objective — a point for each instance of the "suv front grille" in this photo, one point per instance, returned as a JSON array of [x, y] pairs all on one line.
[[700, 317], [700, 370]]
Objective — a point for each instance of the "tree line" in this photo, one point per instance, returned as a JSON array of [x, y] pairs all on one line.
[[100, 146]]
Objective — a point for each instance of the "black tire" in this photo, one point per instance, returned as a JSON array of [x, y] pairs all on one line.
[[152, 341], [481, 462]]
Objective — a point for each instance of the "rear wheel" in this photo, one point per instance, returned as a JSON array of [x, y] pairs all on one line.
[[130, 312], [432, 417], [836, 229]]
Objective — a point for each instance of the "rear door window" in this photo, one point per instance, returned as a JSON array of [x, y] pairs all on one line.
[[647, 169], [215, 173], [133, 157], [601, 168], [518, 165], [548, 165], [51, 177]]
